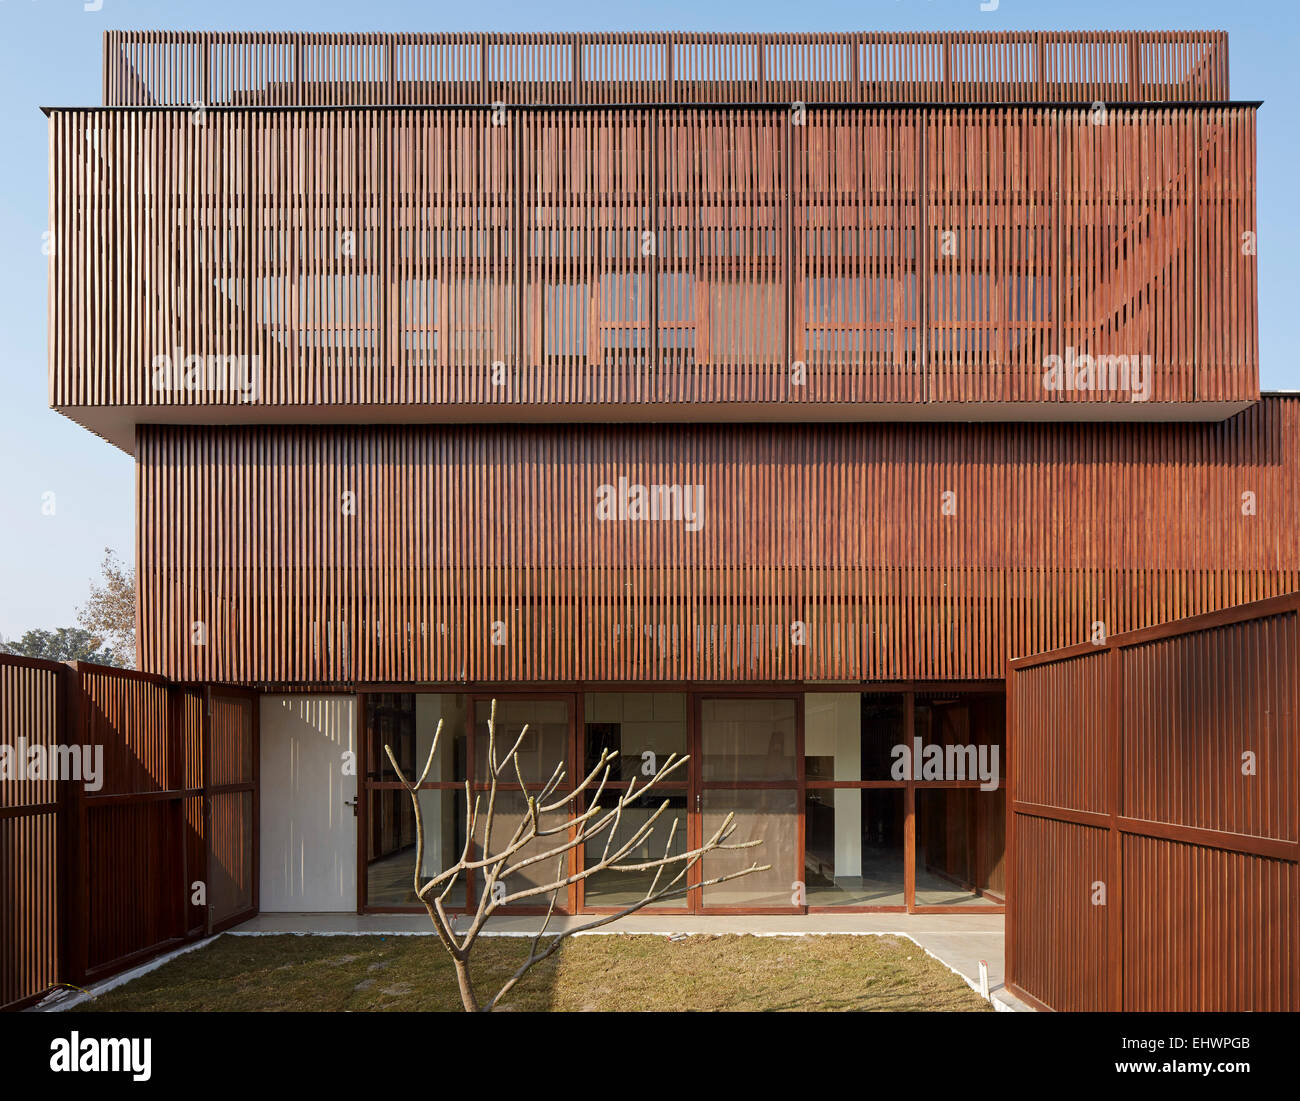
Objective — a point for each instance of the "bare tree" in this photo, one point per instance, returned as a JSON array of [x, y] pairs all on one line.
[[109, 614], [497, 864]]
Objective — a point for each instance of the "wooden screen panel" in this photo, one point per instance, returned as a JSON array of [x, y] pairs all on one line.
[[436, 69], [333, 70], [1061, 941], [718, 68], [992, 267], [133, 898], [451, 534], [230, 857], [624, 68], [589, 238], [1129, 203], [722, 246], [992, 70], [31, 957], [243, 69], [229, 862], [1207, 930], [232, 740], [143, 68], [129, 717], [451, 256], [32, 828], [1226, 275], [129, 872], [1187, 728], [401, 258], [810, 68], [196, 862], [1060, 754], [536, 69], [315, 257], [129, 294], [1089, 68], [1171, 66], [1202, 862], [855, 290]]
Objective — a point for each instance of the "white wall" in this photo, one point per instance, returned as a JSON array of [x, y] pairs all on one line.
[[309, 833], [832, 727]]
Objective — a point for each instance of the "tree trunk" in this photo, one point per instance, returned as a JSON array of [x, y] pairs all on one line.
[[466, 986]]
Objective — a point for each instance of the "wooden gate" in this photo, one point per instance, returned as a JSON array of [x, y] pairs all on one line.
[[128, 819], [1153, 817]]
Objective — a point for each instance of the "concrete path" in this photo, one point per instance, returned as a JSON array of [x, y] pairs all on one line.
[[959, 941]]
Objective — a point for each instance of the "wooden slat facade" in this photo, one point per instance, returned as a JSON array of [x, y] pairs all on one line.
[[33, 831], [1165, 765], [151, 68], [95, 881], [428, 261], [387, 554]]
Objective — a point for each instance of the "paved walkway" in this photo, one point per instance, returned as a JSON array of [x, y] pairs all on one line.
[[959, 941]]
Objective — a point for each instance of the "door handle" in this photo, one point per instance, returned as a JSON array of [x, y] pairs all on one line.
[[351, 803]]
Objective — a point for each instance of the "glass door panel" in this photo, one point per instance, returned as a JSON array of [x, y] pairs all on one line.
[[959, 842], [645, 729], [770, 816], [544, 747], [853, 844], [744, 739], [750, 764]]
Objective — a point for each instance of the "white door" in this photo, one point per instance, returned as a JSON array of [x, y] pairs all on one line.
[[309, 791]]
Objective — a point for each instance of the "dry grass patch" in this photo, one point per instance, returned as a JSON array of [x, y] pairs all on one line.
[[593, 973]]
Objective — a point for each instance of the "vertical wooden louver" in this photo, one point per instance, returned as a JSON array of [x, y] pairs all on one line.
[[451, 261], [152, 792], [149, 68], [387, 554], [1162, 768]]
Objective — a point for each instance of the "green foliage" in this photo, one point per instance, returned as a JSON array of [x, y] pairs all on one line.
[[63, 644]]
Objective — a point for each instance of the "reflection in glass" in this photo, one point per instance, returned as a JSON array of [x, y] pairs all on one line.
[[645, 728], [407, 721], [625, 888], [510, 809], [390, 869], [963, 720], [748, 739], [882, 730], [853, 847], [545, 746], [851, 735], [960, 834], [770, 816]]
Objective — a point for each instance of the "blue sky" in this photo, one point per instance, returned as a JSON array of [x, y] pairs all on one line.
[[50, 54]]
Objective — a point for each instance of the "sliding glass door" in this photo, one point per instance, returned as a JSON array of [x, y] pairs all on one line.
[[646, 730], [853, 801], [749, 765]]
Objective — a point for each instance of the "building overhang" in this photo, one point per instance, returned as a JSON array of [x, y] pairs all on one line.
[[117, 424]]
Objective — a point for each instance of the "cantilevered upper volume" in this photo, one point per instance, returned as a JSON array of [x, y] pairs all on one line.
[[474, 228]]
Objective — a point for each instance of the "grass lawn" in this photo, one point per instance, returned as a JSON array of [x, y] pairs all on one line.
[[614, 972]]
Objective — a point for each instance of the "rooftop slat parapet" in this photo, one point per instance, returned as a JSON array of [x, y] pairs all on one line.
[[279, 69]]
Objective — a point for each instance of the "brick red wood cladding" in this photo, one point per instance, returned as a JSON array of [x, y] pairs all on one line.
[[100, 876], [1128, 769], [409, 554], [685, 256], [144, 68], [33, 832]]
